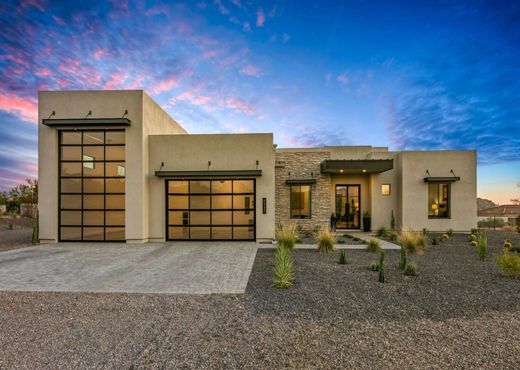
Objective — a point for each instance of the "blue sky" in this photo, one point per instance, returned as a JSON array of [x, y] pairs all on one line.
[[403, 74]]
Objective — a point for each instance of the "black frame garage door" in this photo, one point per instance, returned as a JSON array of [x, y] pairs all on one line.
[[91, 185], [211, 209]]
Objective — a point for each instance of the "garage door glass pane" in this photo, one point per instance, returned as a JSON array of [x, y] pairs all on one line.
[[73, 138], [199, 187], [94, 153], [243, 218], [199, 218], [93, 169], [70, 233], [243, 233], [115, 185], [199, 202], [115, 233], [221, 186], [199, 233], [93, 185], [93, 137], [178, 202], [178, 232], [221, 218], [115, 153], [71, 153], [115, 201], [243, 201], [178, 187], [221, 202], [71, 202], [71, 169], [93, 202], [93, 233], [179, 218], [221, 233], [93, 218], [71, 185], [115, 137], [243, 186], [115, 169], [71, 218]]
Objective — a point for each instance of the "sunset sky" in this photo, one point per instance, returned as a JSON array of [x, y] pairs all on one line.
[[403, 74]]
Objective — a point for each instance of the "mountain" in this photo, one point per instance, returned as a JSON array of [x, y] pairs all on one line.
[[485, 204]]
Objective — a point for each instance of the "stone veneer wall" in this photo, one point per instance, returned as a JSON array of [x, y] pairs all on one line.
[[302, 165]]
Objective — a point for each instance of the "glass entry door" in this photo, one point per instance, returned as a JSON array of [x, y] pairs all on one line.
[[348, 206]]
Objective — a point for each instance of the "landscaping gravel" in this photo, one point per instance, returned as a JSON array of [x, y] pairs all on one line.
[[458, 313], [19, 236]]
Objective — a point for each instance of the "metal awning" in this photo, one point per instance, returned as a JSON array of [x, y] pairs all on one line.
[[442, 179], [87, 122], [354, 166], [300, 181], [222, 173]]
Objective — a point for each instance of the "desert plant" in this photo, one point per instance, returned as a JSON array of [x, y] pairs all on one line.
[[474, 231], [382, 232], [283, 268], [473, 237], [444, 237], [412, 242], [402, 259], [425, 231], [316, 229], [421, 241], [343, 257], [36, 230], [341, 241], [374, 266], [286, 235], [482, 247], [373, 246], [473, 243], [435, 241], [410, 269], [392, 220], [393, 236], [508, 264], [515, 249], [450, 232], [325, 240], [382, 266], [508, 244]]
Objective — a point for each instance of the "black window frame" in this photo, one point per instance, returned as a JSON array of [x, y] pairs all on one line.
[[448, 201], [210, 194], [82, 193], [291, 205]]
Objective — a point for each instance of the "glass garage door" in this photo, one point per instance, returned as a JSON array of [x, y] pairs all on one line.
[[92, 185], [211, 209]]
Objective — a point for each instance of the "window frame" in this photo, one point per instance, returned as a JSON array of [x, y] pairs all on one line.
[[448, 200], [389, 190], [290, 202]]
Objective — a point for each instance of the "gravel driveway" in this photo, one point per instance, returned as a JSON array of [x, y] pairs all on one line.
[[458, 313]]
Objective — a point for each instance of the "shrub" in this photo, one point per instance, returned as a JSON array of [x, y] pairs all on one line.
[[343, 257], [402, 259], [508, 244], [473, 237], [325, 240], [382, 266], [473, 243], [450, 232], [445, 237], [410, 269], [509, 264], [474, 231], [492, 222], [283, 268], [482, 247], [373, 246], [412, 242], [341, 241], [425, 231], [382, 232], [356, 239], [515, 249], [316, 229], [374, 266], [286, 235], [393, 236], [435, 241]]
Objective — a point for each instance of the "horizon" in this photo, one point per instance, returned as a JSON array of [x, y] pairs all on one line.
[[428, 76]]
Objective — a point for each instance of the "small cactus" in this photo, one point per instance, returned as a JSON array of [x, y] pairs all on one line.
[[402, 260], [473, 243], [342, 257], [382, 267], [473, 237], [445, 237]]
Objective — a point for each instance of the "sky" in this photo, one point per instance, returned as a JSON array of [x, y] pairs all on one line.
[[410, 75]]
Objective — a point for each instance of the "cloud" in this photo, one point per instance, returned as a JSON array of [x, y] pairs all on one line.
[[238, 104], [221, 8], [342, 78], [250, 70], [246, 27], [26, 108], [260, 18], [165, 85], [286, 38]]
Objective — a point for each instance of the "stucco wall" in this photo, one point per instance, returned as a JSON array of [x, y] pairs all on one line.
[[294, 164], [226, 152], [382, 205], [415, 190], [77, 104]]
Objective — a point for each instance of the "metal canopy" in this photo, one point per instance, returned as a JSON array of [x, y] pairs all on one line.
[[87, 122], [300, 181], [356, 166], [223, 173], [442, 179]]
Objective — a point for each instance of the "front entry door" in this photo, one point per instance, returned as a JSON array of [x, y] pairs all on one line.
[[348, 206]]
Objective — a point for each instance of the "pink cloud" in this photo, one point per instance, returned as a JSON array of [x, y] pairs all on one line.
[[58, 20], [38, 4], [221, 8], [211, 54], [157, 9], [238, 104], [236, 3], [26, 108], [343, 78], [203, 100], [43, 72], [250, 70], [246, 27], [260, 18], [166, 85], [100, 53], [116, 81]]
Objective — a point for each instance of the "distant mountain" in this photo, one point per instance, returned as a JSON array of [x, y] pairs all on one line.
[[485, 204]]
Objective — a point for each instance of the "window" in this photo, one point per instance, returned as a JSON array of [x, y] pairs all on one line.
[[385, 189], [438, 200], [300, 201]]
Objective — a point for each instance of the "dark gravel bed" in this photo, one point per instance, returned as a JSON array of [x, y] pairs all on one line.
[[458, 313]]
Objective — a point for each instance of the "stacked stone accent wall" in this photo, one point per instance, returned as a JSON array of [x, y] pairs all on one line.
[[302, 165]]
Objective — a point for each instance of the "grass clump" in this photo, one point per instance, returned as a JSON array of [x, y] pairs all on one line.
[[382, 266], [473, 237], [325, 240], [450, 232], [482, 247], [383, 232], [286, 235], [473, 243], [410, 269], [374, 266], [283, 268], [373, 246], [412, 242], [435, 241], [508, 244], [445, 237], [508, 264], [343, 257]]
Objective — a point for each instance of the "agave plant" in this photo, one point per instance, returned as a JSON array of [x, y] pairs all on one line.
[[283, 268]]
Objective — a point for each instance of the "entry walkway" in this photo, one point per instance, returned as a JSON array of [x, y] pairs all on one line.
[[369, 235], [180, 267]]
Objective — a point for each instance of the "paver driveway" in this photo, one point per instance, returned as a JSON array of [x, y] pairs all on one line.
[[192, 268]]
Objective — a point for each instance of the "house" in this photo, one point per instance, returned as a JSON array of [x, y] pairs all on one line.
[[508, 212], [113, 166]]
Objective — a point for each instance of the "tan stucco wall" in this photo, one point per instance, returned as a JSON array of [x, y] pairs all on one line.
[[77, 104], [226, 152], [415, 190], [382, 205]]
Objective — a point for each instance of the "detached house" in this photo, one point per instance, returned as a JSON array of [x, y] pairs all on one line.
[[113, 166]]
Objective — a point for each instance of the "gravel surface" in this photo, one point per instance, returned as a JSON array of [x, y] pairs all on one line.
[[20, 236], [458, 313]]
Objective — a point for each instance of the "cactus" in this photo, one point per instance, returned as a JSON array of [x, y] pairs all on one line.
[[402, 261], [342, 257], [382, 267]]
